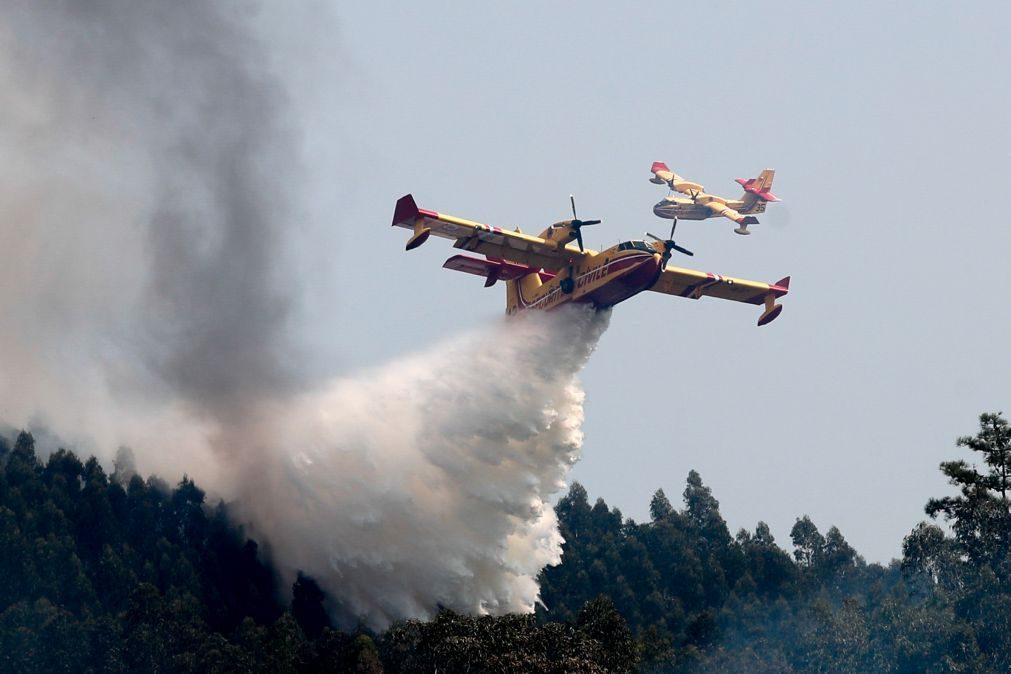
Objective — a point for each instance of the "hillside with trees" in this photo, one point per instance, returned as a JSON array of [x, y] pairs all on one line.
[[110, 572]]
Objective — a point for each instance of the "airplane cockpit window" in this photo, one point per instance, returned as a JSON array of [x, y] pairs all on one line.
[[636, 245]]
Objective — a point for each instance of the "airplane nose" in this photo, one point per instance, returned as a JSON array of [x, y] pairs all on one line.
[[662, 209]]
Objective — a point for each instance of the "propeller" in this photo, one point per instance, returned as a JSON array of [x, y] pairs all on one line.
[[669, 245], [576, 224]]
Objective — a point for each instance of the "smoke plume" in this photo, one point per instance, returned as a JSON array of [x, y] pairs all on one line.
[[146, 177], [148, 185]]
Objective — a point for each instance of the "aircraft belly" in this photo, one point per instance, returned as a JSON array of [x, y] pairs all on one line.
[[632, 282], [681, 211]]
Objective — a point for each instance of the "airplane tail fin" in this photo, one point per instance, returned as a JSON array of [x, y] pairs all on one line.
[[760, 187], [763, 183]]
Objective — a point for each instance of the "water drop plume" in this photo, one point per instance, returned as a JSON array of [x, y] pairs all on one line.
[[426, 482]]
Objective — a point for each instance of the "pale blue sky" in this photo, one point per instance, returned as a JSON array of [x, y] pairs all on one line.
[[887, 126]]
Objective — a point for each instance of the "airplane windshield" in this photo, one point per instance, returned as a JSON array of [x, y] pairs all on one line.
[[637, 245]]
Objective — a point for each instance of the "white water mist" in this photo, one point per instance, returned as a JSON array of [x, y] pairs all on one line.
[[426, 482]]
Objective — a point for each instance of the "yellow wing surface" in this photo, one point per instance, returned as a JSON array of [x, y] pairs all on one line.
[[662, 174], [696, 284], [493, 242]]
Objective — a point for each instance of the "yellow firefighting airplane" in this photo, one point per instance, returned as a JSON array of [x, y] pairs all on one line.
[[701, 205], [544, 272]]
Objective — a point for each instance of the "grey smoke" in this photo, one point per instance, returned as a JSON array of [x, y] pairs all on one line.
[[148, 177], [149, 196]]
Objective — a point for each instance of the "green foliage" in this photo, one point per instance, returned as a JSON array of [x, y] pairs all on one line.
[[95, 577], [981, 513], [669, 578], [307, 606], [123, 574], [116, 573], [600, 641], [697, 600]]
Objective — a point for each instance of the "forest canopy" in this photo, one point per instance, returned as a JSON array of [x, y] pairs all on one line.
[[111, 572]]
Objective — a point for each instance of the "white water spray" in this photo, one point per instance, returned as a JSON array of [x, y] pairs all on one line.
[[426, 482]]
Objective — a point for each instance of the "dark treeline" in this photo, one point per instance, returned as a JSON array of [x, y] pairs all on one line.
[[113, 573]]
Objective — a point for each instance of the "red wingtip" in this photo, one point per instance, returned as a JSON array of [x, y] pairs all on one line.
[[659, 166], [406, 210], [784, 282]]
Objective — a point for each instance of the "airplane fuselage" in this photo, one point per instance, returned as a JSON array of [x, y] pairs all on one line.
[[684, 208], [603, 279]]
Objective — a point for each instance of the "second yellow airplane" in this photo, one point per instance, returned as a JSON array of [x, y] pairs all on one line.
[[701, 206]]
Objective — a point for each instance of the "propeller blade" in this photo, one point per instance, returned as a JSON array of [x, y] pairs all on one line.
[[682, 250], [576, 223], [672, 228], [579, 238], [654, 237]]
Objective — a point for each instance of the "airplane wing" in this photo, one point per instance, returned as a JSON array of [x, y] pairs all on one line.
[[662, 174], [695, 284], [494, 242]]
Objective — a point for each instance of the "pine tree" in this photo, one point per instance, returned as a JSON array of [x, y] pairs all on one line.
[[980, 514]]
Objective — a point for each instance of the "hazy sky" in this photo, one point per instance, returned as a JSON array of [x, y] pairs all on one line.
[[887, 126]]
